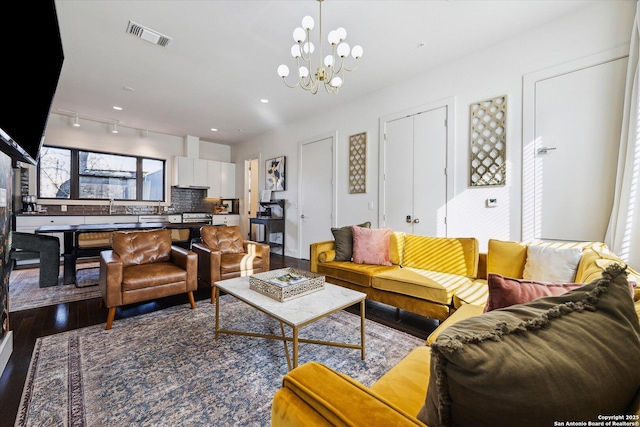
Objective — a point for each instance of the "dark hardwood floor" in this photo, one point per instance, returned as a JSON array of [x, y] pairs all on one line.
[[28, 325]]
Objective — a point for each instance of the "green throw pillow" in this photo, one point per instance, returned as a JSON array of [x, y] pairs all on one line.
[[563, 358], [344, 241]]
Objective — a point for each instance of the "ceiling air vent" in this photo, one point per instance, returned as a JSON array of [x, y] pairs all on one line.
[[148, 34]]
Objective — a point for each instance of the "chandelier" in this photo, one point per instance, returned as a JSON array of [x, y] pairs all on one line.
[[331, 69]]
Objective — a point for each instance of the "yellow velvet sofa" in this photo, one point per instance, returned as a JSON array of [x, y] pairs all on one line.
[[434, 276], [429, 276], [315, 395]]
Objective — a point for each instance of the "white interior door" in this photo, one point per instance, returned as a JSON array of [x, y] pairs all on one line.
[[429, 177], [398, 175], [316, 193], [578, 118], [414, 182]]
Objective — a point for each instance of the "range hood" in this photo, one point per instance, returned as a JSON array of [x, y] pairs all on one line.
[[185, 167]]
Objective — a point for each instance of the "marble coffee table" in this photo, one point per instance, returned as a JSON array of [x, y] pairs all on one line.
[[295, 313]]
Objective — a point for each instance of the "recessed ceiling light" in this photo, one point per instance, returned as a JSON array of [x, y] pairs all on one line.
[[214, 129], [264, 101], [115, 107]]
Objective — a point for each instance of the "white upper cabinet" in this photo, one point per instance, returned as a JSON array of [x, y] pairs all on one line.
[[222, 180], [190, 172], [214, 179], [228, 180]]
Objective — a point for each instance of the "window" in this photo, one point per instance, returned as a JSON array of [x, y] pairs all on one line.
[[54, 173], [89, 175]]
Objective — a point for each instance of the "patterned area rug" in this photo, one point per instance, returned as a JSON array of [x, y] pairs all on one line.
[[24, 292], [165, 368]]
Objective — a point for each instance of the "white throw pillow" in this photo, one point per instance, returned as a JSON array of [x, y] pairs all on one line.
[[549, 264]]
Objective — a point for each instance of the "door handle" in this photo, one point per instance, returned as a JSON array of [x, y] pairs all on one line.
[[544, 150], [416, 221], [302, 216]]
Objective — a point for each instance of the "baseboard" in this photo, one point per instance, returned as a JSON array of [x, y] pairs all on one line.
[[6, 348]]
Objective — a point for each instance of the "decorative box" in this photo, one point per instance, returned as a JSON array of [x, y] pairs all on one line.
[[262, 282]]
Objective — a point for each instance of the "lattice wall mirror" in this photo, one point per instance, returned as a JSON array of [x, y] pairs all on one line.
[[488, 121], [358, 163]]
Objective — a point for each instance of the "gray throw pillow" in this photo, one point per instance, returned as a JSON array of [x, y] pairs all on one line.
[[571, 357], [344, 241]]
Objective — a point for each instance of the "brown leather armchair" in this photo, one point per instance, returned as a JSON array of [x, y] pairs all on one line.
[[223, 254], [142, 266]]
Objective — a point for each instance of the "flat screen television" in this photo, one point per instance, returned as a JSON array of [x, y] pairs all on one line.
[[31, 60]]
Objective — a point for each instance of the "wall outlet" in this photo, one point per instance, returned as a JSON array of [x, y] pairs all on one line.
[[370, 206], [63, 208], [492, 203]]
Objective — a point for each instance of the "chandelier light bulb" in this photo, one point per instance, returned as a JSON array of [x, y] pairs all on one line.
[[329, 61], [343, 50], [336, 81], [357, 52], [333, 38], [304, 72], [299, 35], [295, 51], [308, 47], [341, 33], [307, 23], [283, 71]]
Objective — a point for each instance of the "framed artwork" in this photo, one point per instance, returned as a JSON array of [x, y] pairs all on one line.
[[275, 170], [266, 196]]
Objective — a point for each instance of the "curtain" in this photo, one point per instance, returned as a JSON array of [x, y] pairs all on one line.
[[623, 232]]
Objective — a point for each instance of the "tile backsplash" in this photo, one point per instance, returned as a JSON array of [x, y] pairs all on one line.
[[182, 200]]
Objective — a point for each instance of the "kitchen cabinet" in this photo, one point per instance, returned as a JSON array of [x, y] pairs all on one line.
[[153, 218], [227, 180], [175, 218], [190, 172], [213, 170], [228, 220], [221, 180], [109, 219]]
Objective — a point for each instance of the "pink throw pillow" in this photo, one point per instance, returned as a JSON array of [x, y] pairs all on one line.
[[371, 246], [504, 291]]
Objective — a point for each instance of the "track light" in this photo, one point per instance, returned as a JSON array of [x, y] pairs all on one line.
[[114, 123]]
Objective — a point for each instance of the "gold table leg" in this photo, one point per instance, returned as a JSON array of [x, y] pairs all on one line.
[[286, 346], [362, 331], [295, 346], [217, 292]]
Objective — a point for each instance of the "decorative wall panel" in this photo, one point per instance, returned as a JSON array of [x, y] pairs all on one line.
[[488, 121], [358, 163]]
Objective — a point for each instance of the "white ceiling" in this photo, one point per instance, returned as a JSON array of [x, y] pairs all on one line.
[[224, 55]]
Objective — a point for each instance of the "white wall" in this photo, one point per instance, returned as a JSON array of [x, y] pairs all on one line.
[[97, 136], [492, 72]]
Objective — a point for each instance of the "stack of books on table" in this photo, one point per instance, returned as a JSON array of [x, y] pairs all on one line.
[[288, 279]]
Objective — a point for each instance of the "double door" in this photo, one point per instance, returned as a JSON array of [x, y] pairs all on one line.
[[414, 180]]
